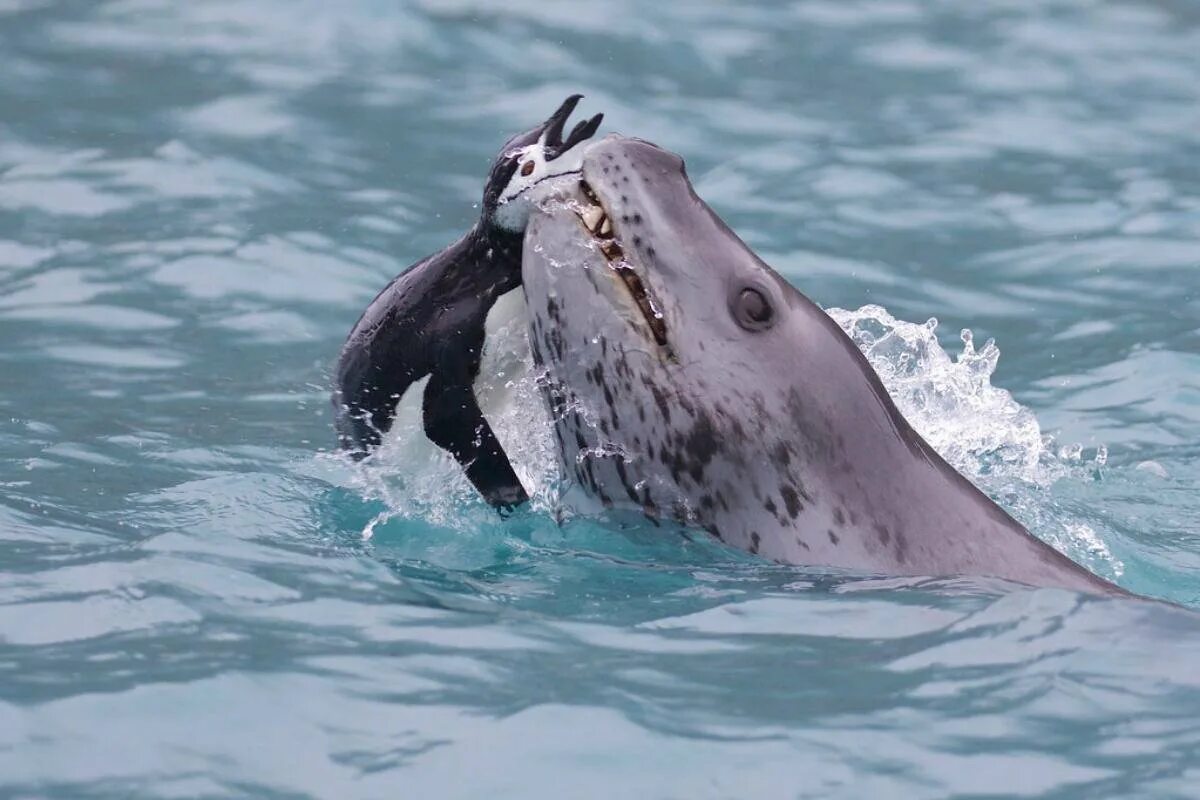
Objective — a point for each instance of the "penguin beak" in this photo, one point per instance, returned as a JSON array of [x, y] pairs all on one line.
[[555, 145]]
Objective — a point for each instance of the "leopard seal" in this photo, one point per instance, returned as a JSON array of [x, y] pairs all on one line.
[[427, 332], [689, 381]]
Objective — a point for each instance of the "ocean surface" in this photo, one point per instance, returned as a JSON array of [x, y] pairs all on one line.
[[200, 598]]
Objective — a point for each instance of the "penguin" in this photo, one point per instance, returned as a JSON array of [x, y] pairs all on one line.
[[430, 320]]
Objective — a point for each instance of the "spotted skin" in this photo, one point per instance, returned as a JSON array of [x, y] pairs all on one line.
[[780, 441]]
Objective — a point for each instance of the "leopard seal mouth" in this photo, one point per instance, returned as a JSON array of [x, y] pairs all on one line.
[[599, 224]]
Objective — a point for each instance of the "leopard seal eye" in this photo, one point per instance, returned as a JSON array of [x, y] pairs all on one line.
[[753, 310]]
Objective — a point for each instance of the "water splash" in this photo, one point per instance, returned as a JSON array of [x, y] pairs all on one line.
[[510, 393], [416, 480], [979, 428]]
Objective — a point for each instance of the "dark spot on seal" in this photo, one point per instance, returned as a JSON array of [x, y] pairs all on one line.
[[676, 466], [754, 540], [885, 535], [701, 445], [686, 404], [649, 507], [660, 399], [838, 516], [791, 500], [624, 476], [833, 538], [781, 455], [770, 505]]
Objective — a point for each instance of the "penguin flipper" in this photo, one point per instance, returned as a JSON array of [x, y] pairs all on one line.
[[454, 422]]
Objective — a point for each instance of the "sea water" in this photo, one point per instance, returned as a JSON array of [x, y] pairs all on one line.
[[999, 201]]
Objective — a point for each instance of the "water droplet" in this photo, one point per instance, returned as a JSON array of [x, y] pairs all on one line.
[[1071, 452]]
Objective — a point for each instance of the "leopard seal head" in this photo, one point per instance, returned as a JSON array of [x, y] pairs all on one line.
[[689, 381]]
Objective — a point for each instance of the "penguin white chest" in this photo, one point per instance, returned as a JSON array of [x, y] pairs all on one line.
[[506, 359]]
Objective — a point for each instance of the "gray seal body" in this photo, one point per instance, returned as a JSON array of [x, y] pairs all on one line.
[[688, 380]]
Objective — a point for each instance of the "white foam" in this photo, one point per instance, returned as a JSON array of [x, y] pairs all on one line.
[[977, 427]]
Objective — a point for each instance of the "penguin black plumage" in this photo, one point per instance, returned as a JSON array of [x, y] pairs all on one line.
[[430, 320]]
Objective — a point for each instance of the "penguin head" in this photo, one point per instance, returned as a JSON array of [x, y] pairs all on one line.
[[529, 158]]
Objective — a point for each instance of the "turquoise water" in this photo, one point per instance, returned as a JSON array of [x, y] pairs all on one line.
[[198, 599]]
